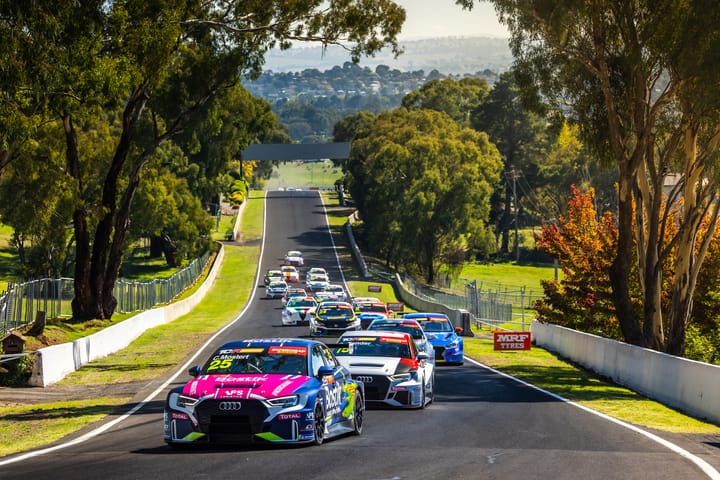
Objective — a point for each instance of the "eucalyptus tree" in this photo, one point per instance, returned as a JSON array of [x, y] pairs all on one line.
[[639, 77], [457, 98], [425, 184], [147, 68]]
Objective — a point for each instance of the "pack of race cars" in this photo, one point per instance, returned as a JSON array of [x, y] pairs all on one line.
[[302, 390]]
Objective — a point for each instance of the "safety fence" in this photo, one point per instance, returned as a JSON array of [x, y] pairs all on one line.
[[21, 302]]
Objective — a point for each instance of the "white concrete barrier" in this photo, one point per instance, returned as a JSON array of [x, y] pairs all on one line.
[[52, 364], [686, 385]]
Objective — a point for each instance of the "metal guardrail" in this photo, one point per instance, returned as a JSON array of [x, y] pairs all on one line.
[[20, 303]]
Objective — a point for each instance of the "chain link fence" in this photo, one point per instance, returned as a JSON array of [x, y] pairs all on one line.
[[491, 307], [20, 303]]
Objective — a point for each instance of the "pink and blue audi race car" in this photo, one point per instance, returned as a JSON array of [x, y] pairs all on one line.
[[275, 390], [443, 336]]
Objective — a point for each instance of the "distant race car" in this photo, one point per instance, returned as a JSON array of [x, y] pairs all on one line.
[[393, 371], [410, 326], [294, 257], [315, 271], [290, 273], [293, 291], [273, 275], [265, 391], [296, 310], [333, 292], [317, 282], [333, 317], [369, 311], [276, 289], [445, 338]]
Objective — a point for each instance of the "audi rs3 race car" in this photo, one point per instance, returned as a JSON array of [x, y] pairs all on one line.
[[445, 338], [390, 366], [294, 257], [278, 390], [296, 310]]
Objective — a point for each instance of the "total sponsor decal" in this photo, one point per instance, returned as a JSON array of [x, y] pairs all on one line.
[[290, 416], [512, 340]]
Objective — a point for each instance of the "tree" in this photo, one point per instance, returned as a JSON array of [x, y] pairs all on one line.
[[151, 67], [423, 184], [519, 135], [639, 80], [457, 98]]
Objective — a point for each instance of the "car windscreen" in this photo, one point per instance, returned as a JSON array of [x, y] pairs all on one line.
[[335, 312], [301, 303], [270, 359], [373, 347], [415, 332], [436, 325]]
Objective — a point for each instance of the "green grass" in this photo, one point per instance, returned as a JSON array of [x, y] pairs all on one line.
[[304, 175], [154, 353], [507, 276]]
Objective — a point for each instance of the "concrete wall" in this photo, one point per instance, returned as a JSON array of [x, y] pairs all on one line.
[[686, 385], [52, 364]]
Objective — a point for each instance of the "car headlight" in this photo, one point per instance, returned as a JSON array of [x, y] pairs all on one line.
[[284, 402], [401, 377], [452, 344], [182, 401]]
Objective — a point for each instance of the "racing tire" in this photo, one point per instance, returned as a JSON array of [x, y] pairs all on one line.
[[358, 416], [319, 420], [422, 396]]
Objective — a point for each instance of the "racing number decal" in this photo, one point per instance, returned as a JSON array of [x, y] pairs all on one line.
[[219, 363]]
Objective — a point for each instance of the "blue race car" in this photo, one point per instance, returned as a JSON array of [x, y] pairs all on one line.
[[278, 390], [445, 338]]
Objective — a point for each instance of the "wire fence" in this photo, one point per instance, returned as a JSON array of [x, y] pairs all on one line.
[[21, 302], [498, 308]]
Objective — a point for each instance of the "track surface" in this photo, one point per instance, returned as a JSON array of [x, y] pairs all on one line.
[[481, 425]]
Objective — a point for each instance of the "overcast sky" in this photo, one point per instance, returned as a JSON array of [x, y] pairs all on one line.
[[443, 18]]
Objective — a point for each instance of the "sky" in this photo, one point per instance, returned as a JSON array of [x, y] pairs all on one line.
[[443, 18]]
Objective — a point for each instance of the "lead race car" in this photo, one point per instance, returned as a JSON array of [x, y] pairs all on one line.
[[275, 390]]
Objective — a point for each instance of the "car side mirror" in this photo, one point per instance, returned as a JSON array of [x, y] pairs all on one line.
[[194, 371], [458, 330], [325, 371], [423, 356]]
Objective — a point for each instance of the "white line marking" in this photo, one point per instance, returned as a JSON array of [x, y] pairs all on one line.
[[149, 398], [708, 469]]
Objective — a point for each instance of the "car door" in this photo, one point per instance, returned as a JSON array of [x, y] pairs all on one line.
[[337, 398]]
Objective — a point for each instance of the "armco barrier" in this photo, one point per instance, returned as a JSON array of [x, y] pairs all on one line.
[[686, 385]]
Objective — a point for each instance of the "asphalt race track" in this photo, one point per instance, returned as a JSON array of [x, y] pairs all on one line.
[[482, 425]]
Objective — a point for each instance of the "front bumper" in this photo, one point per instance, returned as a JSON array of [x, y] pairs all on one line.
[[381, 389], [251, 422], [325, 328]]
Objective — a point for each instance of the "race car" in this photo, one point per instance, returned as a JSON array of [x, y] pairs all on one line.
[[393, 371], [272, 275], [290, 273], [333, 317], [276, 289], [275, 390], [316, 282], [445, 338], [294, 257], [316, 271], [333, 292], [410, 326], [293, 291], [296, 310], [369, 311]]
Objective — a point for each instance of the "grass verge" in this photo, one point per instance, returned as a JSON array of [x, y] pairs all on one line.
[[149, 357]]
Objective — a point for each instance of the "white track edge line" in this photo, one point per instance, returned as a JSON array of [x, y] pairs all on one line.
[[708, 469], [149, 398]]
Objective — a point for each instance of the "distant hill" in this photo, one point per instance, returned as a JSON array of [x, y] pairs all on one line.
[[450, 56]]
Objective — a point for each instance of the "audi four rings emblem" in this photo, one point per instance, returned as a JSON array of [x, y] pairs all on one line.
[[229, 406], [365, 379]]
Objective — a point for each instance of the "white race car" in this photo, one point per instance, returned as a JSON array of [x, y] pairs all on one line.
[[294, 257], [333, 292], [391, 367], [296, 310]]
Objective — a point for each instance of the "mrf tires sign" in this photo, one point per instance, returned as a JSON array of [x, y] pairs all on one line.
[[511, 340]]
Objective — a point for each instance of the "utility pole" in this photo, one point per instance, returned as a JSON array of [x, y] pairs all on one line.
[[515, 200]]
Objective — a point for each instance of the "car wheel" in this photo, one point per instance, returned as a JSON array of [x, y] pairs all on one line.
[[319, 419], [358, 414], [422, 395]]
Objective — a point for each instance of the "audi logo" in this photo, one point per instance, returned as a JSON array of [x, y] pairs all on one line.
[[229, 406], [364, 379]]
